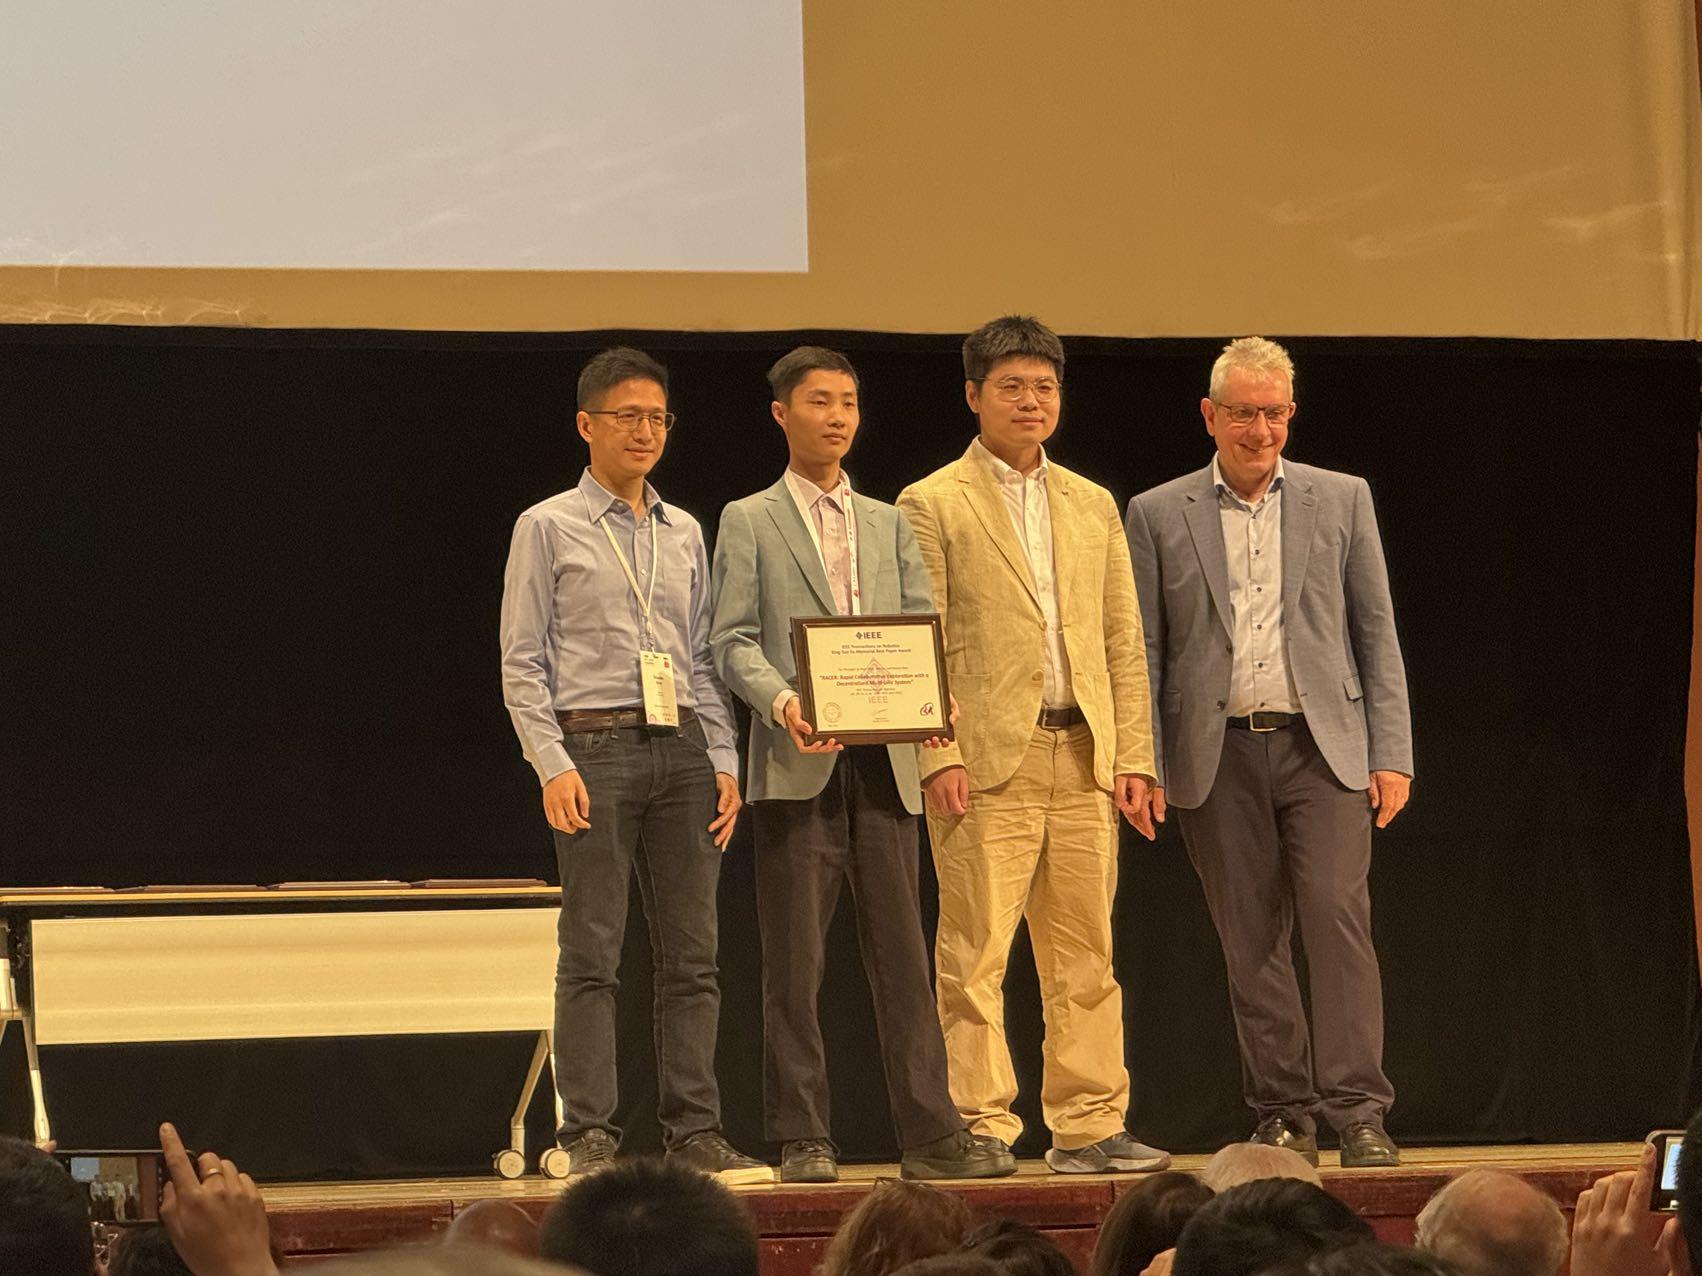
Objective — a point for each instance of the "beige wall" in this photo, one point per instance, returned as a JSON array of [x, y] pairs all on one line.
[[1523, 167]]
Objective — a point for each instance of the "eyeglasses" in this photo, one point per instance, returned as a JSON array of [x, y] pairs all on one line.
[[1011, 389], [1243, 413], [628, 419]]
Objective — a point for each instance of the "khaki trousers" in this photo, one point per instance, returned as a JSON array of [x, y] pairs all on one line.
[[1041, 846]]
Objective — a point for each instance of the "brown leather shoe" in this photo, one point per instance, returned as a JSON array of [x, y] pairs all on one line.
[[1365, 1143], [1280, 1132]]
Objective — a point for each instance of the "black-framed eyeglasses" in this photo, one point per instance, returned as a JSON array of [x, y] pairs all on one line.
[[1243, 413], [629, 419], [1011, 389]]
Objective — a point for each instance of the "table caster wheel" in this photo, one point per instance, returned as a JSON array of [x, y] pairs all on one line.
[[509, 1163], [554, 1163]]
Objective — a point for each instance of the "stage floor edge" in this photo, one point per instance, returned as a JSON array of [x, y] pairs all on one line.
[[317, 1221]]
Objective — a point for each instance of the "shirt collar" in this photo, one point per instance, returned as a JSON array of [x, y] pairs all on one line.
[[1224, 489], [807, 493], [600, 500], [1004, 473]]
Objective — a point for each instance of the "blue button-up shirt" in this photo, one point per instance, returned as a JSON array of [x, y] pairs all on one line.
[[572, 628]]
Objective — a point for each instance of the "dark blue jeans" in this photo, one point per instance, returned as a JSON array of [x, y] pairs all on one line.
[[652, 799]]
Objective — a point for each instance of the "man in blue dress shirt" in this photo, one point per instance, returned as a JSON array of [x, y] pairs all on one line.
[[607, 675]]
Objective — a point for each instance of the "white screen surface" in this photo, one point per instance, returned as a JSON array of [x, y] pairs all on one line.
[[411, 134]]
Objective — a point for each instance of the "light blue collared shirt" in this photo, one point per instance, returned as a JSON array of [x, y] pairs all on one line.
[[572, 627]]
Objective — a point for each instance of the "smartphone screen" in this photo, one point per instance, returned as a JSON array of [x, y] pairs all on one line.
[[1668, 1143], [120, 1186]]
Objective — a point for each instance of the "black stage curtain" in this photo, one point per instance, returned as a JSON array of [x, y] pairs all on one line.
[[251, 610]]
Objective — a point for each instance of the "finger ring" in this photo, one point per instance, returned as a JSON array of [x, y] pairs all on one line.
[[216, 1169]]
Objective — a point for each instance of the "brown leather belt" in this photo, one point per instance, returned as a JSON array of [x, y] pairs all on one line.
[[611, 719], [1263, 722], [1058, 719]]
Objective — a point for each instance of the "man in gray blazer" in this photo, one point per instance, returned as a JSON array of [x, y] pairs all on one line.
[[825, 814], [1281, 724]]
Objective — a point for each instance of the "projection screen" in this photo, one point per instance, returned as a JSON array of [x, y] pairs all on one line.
[[1513, 169]]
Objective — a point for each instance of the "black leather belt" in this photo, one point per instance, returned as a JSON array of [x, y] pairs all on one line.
[[1263, 722], [1058, 719], [610, 719]]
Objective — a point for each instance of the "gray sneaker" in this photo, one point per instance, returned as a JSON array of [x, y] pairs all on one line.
[[589, 1152], [1121, 1153], [710, 1153]]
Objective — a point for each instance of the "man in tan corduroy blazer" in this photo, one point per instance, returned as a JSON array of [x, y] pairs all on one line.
[[1045, 655]]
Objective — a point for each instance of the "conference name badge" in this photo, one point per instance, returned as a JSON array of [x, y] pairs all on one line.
[[656, 673]]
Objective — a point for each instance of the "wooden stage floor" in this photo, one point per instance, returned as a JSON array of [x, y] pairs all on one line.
[[319, 1220]]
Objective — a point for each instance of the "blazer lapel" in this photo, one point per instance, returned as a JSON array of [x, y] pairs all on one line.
[[1299, 518], [1206, 527], [989, 506], [784, 511], [1065, 544], [874, 534]]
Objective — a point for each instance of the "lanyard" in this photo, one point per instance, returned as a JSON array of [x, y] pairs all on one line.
[[843, 492], [631, 579]]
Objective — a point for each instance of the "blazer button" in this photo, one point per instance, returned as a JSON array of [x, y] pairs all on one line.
[[1229, 651], [1222, 704], [1039, 676]]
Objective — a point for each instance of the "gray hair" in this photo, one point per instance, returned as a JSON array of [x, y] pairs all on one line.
[[1257, 356], [1246, 1162], [1491, 1223]]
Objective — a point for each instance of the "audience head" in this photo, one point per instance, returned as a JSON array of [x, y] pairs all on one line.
[[1369, 1259], [897, 1223], [145, 1251], [1018, 1249], [44, 1218], [649, 1218], [504, 1224], [1264, 1224], [443, 1260], [1690, 1191], [1249, 1162], [958, 1264], [1145, 1221], [1491, 1223]]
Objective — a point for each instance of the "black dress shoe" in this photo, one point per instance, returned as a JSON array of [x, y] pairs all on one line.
[[809, 1161], [1280, 1132], [1365, 1143]]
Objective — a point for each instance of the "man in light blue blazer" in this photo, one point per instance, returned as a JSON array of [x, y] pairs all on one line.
[[1282, 730], [825, 814]]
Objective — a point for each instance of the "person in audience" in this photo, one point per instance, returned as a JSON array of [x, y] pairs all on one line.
[[1283, 733], [1018, 1249], [1249, 1228], [1043, 645], [1492, 1223], [650, 1218], [145, 1251], [504, 1224], [897, 1223], [1684, 1245], [213, 1213], [443, 1260], [44, 1218], [1614, 1233], [955, 1264], [607, 676], [1248, 1162], [1145, 1221], [1370, 1259], [827, 815]]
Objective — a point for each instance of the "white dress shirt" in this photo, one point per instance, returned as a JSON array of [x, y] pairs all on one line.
[[1031, 519], [832, 523], [1260, 679]]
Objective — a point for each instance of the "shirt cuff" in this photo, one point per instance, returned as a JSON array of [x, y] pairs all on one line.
[[552, 760], [725, 761], [778, 710]]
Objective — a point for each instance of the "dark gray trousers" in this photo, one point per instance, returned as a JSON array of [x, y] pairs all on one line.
[[1280, 838], [855, 830], [652, 799]]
